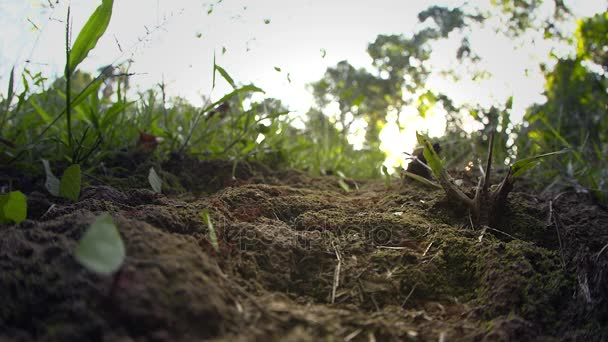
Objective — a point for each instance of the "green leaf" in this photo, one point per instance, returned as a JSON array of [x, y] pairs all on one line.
[[155, 182], [247, 88], [91, 88], [51, 183], [90, 34], [432, 159], [70, 183], [11, 89], [109, 118], [277, 69], [525, 164], [212, 234], [224, 74], [46, 117], [101, 248], [343, 185], [13, 207], [422, 180]]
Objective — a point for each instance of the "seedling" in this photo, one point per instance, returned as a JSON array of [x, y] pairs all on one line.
[[212, 235], [68, 187], [487, 206]]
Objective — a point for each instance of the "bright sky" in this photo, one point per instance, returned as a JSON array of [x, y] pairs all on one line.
[[261, 35]]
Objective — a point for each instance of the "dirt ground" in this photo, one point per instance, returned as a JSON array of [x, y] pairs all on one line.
[[300, 259]]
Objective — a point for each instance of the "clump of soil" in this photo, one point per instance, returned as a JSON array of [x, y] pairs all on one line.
[[300, 259]]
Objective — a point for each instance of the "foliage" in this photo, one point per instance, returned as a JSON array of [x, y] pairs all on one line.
[[155, 182], [69, 187], [13, 207], [103, 117], [487, 206], [101, 248], [574, 115]]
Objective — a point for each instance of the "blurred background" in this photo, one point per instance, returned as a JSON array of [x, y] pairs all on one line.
[[345, 84]]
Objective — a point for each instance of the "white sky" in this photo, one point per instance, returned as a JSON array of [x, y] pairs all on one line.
[[293, 40]]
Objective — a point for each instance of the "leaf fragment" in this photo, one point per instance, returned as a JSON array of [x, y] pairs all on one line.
[[101, 248], [155, 182]]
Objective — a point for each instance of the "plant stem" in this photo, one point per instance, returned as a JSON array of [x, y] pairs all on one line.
[[68, 76]]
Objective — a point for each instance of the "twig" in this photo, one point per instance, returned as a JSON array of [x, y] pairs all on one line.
[[597, 258], [500, 231], [554, 217], [409, 295], [427, 249], [336, 283]]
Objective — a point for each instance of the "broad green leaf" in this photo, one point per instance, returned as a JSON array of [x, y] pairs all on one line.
[[155, 182], [277, 69], [432, 159], [525, 164], [212, 233], [70, 183], [13, 207], [90, 34], [51, 183], [101, 248]]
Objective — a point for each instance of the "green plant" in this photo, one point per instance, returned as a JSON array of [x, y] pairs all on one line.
[[487, 206], [68, 187]]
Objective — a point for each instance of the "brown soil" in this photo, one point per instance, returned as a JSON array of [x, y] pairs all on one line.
[[302, 260]]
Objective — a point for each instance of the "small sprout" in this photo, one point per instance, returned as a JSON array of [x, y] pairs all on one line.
[[277, 69], [13, 207], [199, 35], [70, 183], [323, 53], [387, 177], [155, 182], [266, 21], [101, 248], [212, 234], [68, 187]]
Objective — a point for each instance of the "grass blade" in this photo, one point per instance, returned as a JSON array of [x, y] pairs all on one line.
[[212, 234], [525, 164]]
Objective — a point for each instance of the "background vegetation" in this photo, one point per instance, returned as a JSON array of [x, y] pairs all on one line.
[[84, 118]]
